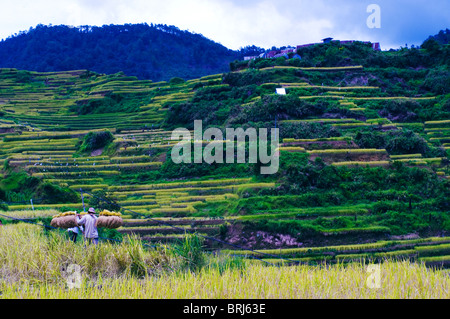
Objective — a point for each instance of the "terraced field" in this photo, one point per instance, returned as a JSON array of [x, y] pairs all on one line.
[[433, 252], [43, 124], [51, 101]]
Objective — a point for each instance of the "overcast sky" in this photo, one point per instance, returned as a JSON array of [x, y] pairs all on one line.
[[237, 23]]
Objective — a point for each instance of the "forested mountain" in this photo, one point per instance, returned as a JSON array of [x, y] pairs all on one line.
[[160, 52], [443, 37], [156, 52]]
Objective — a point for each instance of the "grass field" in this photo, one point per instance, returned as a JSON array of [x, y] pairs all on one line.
[[131, 270]]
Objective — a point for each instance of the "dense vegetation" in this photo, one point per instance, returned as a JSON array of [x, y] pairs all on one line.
[[433, 52], [156, 52], [364, 148]]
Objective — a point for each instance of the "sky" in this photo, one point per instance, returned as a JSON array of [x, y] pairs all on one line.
[[239, 23]]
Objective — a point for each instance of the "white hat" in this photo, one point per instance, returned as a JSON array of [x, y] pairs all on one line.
[[91, 210]]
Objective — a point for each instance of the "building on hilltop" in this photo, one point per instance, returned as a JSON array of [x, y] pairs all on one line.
[[287, 50], [376, 46], [271, 54]]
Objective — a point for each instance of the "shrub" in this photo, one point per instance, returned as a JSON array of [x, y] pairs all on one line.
[[437, 81], [307, 130], [53, 194], [3, 206], [23, 76], [396, 142], [400, 111], [103, 200], [191, 252], [237, 65], [96, 140], [176, 80], [405, 142]]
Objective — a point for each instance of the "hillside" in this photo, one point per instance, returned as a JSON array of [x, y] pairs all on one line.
[[363, 168], [156, 52]]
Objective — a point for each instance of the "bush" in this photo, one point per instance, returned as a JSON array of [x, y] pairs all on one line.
[[223, 263], [212, 105], [23, 76], [307, 130], [191, 252], [400, 111], [396, 142], [103, 200], [237, 65], [54, 194], [438, 81], [18, 186], [405, 142], [113, 103], [369, 139], [176, 80], [3, 206], [284, 107], [96, 140]]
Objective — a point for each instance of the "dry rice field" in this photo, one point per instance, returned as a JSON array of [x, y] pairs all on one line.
[[35, 265]]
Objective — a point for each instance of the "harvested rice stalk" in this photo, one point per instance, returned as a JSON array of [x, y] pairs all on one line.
[[109, 219], [64, 220]]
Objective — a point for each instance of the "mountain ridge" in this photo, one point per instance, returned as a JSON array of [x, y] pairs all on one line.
[[157, 52]]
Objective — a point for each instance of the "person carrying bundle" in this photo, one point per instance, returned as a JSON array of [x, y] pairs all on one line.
[[90, 226]]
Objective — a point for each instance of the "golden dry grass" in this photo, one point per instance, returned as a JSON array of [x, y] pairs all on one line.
[[33, 265], [400, 280]]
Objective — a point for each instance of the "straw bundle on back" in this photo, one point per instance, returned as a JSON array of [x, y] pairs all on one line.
[[109, 220], [64, 220]]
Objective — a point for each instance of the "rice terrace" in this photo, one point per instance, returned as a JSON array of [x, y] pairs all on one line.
[[358, 208]]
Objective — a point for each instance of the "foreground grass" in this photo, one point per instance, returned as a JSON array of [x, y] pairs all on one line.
[[33, 265], [398, 281], [25, 214]]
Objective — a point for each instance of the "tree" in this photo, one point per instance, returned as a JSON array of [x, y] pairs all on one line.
[[103, 200], [158, 52], [431, 45], [96, 140]]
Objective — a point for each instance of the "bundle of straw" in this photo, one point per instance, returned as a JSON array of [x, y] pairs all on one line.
[[109, 220], [64, 220]]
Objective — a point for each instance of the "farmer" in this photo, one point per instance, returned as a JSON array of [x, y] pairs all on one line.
[[74, 231], [90, 226]]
